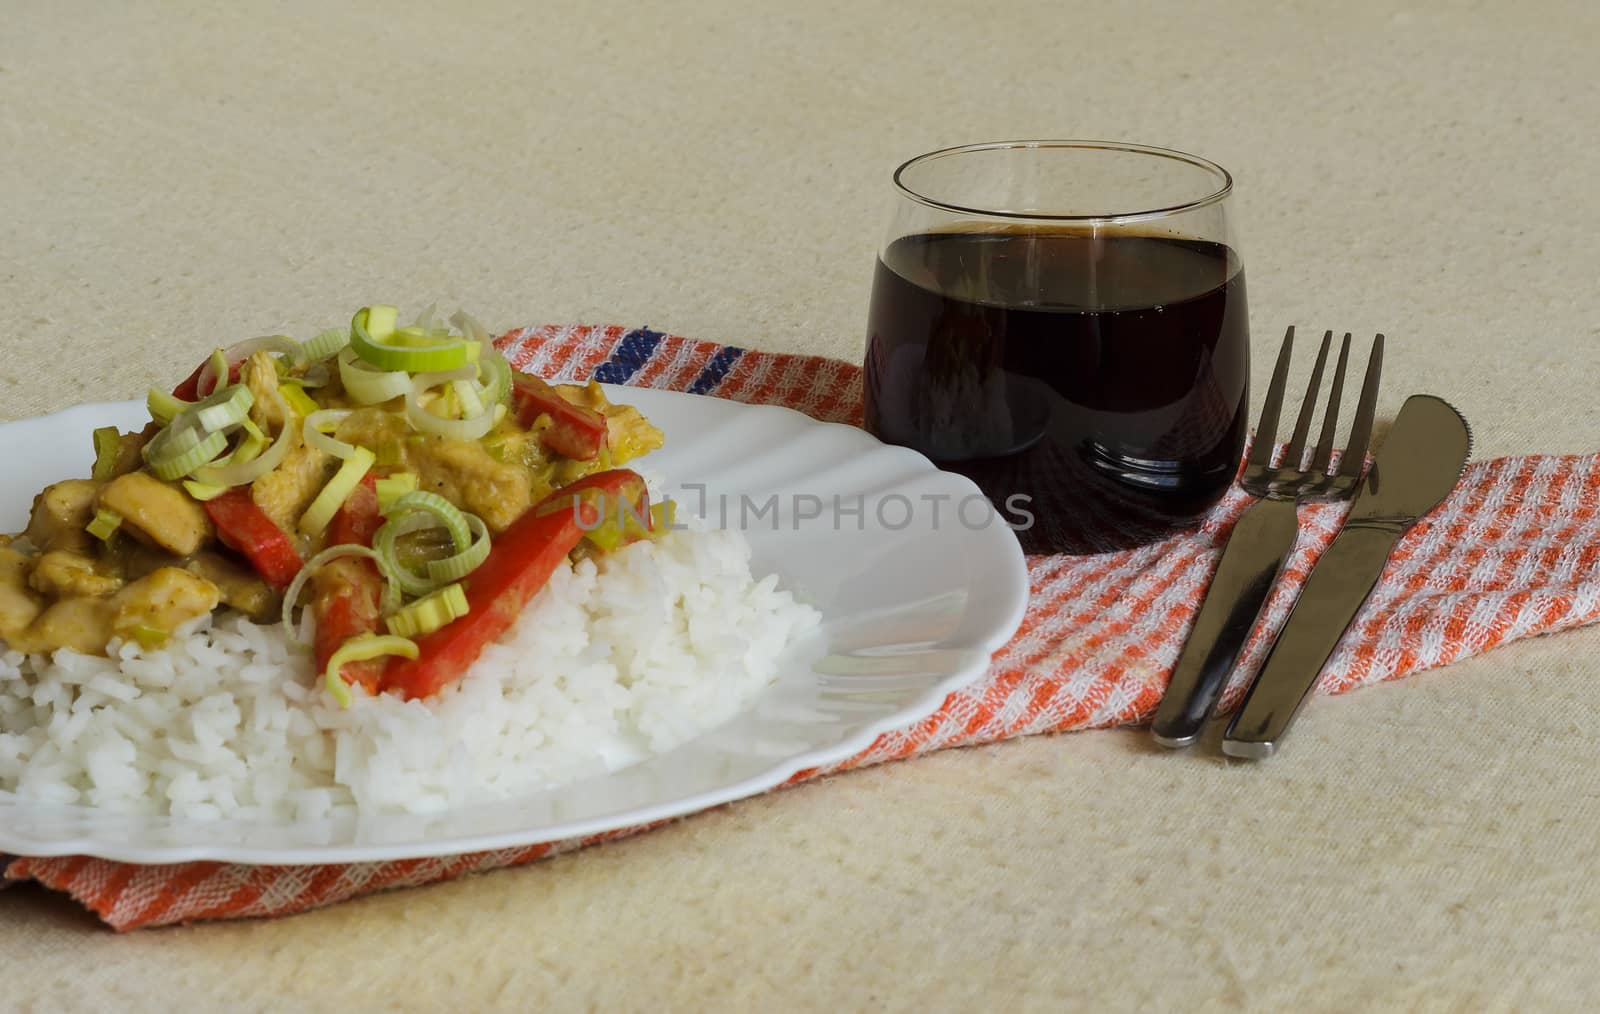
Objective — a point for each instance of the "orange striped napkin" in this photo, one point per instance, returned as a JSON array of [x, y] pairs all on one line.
[[1514, 551]]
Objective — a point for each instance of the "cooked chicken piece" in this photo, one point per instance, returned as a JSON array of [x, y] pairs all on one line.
[[156, 512], [467, 475], [82, 624], [61, 574], [285, 492], [374, 428], [238, 586], [162, 600], [60, 514], [260, 375], [19, 606]]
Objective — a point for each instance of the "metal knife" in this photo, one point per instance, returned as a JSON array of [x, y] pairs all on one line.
[[1420, 463]]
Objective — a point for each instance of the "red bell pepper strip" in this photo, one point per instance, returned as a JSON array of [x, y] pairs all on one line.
[[358, 519], [520, 562], [189, 390], [349, 591], [575, 431], [244, 527]]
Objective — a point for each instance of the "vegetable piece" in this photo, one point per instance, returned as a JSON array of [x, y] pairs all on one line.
[[471, 426], [522, 560], [296, 398], [360, 516], [203, 491], [228, 407], [459, 565], [575, 431], [180, 449], [242, 467], [150, 638], [379, 319], [343, 483], [327, 344], [352, 594], [163, 407], [449, 515], [245, 528], [663, 517], [364, 648], [231, 360], [372, 334], [387, 600], [317, 427], [430, 612], [415, 511], [393, 487], [495, 375], [610, 519], [368, 386], [105, 523], [107, 449]]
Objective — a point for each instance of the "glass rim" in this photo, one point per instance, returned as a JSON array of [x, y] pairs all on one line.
[[1199, 162]]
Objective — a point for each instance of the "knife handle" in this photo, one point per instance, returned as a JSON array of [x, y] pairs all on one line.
[[1335, 592], [1257, 547]]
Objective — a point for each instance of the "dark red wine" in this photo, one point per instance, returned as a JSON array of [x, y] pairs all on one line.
[[1098, 382]]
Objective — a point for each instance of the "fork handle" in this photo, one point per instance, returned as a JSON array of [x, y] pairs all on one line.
[[1256, 549]]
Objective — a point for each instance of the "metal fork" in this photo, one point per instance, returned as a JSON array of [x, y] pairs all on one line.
[[1265, 533]]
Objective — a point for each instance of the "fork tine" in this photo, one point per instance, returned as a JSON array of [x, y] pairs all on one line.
[[1267, 426], [1308, 407], [1355, 453], [1330, 418]]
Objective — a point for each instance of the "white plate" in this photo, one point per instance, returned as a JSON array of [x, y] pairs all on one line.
[[909, 615]]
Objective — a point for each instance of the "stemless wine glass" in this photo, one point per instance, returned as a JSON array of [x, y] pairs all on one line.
[[1065, 323]]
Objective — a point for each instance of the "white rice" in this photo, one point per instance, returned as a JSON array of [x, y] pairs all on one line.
[[656, 644]]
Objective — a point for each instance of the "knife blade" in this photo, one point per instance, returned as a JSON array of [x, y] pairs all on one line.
[[1418, 466]]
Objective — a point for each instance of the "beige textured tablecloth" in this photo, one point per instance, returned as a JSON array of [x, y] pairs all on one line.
[[174, 176]]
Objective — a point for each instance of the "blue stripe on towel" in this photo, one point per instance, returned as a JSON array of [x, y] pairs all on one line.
[[715, 370], [629, 357]]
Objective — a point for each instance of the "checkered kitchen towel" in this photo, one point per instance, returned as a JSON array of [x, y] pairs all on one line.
[[1515, 551]]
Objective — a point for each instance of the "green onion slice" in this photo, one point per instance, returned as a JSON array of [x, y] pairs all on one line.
[[227, 407], [473, 427], [367, 386], [291, 595], [179, 449], [413, 512], [393, 487], [454, 568], [385, 354], [203, 491], [222, 362], [496, 377], [164, 407], [107, 449], [319, 424], [239, 470], [106, 521], [327, 344], [427, 614], [333, 495], [360, 649], [297, 399]]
